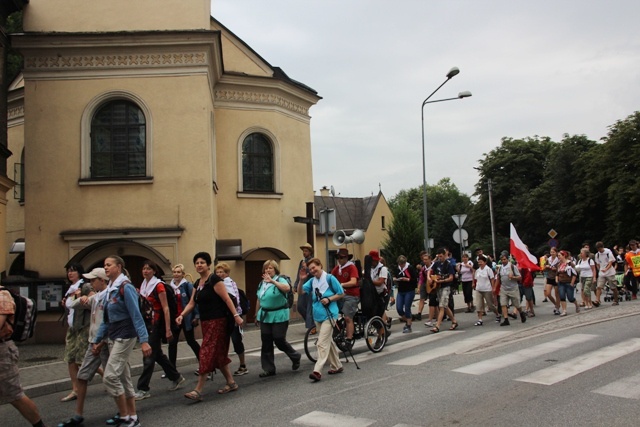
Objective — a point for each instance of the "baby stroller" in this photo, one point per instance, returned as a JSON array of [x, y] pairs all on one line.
[[623, 293]]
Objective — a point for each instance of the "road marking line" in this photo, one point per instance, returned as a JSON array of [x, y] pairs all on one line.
[[403, 346], [455, 347], [327, 419], [519, 356], [585, 362], [628, 388]]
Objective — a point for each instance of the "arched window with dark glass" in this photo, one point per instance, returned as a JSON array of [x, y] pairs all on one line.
[[118, 141], [257, 164]]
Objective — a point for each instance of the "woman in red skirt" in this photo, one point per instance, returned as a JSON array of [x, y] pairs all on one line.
[[215, 308]]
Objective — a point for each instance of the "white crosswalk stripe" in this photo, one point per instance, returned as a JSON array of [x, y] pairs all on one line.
[[328, 419], [451, 348], [523, 355], [628, 388], [563, 371]]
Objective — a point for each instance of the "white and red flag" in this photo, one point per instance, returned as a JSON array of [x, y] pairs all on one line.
[[521, 253]]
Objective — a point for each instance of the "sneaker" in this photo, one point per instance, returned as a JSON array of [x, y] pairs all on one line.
[[389, 320], [114, 421], [163, 376], [141, 395], [76, 420], [505, 322], [315, 376], [498, 319], [523, 317], [564, 313], [418, 316], [132, 423], [406, 329], [242, 370], [196, 372], [478, 323], [177, 383], [556, 311], [512, 315], [429, 324]]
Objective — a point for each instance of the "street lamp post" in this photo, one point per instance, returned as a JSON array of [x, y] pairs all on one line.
[[452, 73]]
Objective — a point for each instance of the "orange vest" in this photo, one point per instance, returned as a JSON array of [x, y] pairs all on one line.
[[633, 260]]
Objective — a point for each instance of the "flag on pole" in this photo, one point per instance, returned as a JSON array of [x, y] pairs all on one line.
[[521, 253]]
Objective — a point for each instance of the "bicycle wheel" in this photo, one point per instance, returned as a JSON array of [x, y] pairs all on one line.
[[310, 347], [375, 334]]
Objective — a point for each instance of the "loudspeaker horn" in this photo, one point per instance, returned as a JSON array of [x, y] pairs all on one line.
[[340, 237]]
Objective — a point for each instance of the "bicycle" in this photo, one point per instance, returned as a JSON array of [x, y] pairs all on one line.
[[373, 330]]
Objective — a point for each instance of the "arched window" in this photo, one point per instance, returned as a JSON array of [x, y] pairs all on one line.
[[118, 141], [257, 164]]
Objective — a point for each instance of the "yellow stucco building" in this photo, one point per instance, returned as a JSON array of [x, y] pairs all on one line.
[[154, 133]]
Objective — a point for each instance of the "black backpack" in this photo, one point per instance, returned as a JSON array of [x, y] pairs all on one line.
[[288, 295], [172, 302], [24, 319], [245, 304]]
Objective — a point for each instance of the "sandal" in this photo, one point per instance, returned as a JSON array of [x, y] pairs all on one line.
[[454, 326], [228, 388], [69, 397], [596, 303], [335, 371], [435, 330], [194, 395]]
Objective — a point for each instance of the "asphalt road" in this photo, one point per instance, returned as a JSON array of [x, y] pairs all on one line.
[[580, 370]]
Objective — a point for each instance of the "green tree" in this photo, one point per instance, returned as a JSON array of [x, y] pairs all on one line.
[[404, 236], [619, 164], [14, 58], [515, 169], [443, 200]]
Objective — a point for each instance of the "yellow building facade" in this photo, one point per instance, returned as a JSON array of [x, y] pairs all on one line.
[[151, 134]]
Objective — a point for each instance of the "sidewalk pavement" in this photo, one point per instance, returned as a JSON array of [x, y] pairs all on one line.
[[53, 376]]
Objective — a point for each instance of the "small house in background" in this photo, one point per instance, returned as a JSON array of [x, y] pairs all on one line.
[[369, 214]]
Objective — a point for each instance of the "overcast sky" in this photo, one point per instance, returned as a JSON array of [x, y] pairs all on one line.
[[534, 67]]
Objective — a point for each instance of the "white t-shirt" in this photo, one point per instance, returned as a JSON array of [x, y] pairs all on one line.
[[483, 279], [584, 267], [602, 259], [466, 271], [380, 271]]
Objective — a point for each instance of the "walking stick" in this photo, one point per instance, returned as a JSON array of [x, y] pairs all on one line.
[[335, 327]]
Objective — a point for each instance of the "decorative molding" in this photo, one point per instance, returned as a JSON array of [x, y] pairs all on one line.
[[145, 60], [15, 112], [259, 98]]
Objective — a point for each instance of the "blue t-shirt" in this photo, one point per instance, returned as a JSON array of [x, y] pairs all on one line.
[[319, 309], [443, 269]]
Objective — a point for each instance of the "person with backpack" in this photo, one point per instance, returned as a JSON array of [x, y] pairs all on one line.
[[406, 277], [123, 326], [508, 277], [325, 291], [77, 337], [273, 315], [155, 292], [183, 290], [92, 361], [380, 277], [222, 270], [10, 387]]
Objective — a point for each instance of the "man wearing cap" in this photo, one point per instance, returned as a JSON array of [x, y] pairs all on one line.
[[304, 305], [379, 275], [93, 360], [347, 274]]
